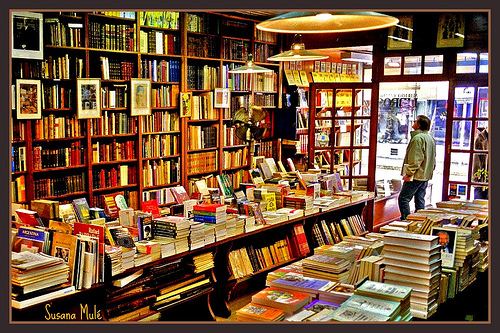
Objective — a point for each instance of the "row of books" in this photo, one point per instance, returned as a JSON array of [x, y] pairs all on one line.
[[52, 127], [46, 158], [160, 145], [64, 67], [164, 96], [203, 46], [235, 159], [202, 77], [159, 42], [53, 187], [160, 122], [161, 71], [115, 37], [163, 171], [120, 175], [202, 107], [334, 231], [57, 97], [202, 162], [159, 19], [115, 96], [112, 123], [113, 151], [263, 52], [63, 34]]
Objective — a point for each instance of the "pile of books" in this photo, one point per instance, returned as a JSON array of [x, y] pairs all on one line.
[[311, 310], [209, 213], [326, 267], [286, 300], [256, 312], [202, 262], [173, 227], [196, 235], [34, 275], [414, 260]]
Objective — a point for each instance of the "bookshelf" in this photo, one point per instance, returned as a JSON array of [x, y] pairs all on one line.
[[178, 52]]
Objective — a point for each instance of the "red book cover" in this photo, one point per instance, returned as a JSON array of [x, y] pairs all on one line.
[[92, 230], [151, 206], [301, 239], [180, 194], [210, 207], [29, 217]]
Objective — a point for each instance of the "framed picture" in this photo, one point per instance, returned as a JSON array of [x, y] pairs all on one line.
[[448, 244], [401, 35], [451, 30], [27, 35], [141, 97], [28, 99], [88, 98], [222, 97], [186, 104]]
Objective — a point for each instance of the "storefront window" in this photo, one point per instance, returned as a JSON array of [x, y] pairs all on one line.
[[399, 105]]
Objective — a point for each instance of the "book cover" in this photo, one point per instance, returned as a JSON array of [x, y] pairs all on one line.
[[82, 210], [29, 217], [64, 246], [151, 206], [67, 213], [287, 300], [255, 312], [110, 204], [180, 194], [29, 239], [59, 226]]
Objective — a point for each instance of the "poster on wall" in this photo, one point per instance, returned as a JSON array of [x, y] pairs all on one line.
[[400, 36], [451, 30]]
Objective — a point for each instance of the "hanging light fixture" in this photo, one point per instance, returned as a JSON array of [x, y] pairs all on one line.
[[249, 67], [327, 22], [298, 52]]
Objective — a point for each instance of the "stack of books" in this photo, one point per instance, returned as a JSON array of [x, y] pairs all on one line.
[[271, 217], [173, 227], [202, 262], [414, 260], [209, 213], [326, 267], [128, 257], [389, 292], [256, 312], [231, 225], [337, 293], [34, 274], [291, 213], [115, 255], [149, 247], [304, 202], [209, 232], [337, 250], [311, 309], [363, 308], [287, 300], [196, 235], [220, 231], [167, 246], [298, 282], [249, 223]]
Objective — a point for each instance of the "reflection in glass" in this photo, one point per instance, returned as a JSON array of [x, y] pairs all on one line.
[[466, 63], [459, 167], [362, 102], [482, 102], [392, 66], [362, 132], [464, 98], [433, 64], [461, 134], [483, 63], [413, 65]]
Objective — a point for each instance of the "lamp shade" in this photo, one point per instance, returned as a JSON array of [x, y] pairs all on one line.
[[298, 53], [249, 67], [327, 22]]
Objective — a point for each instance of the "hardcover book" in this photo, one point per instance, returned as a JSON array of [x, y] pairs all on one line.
[[255, 312], [82, 210], [29, 217], [287, 300]]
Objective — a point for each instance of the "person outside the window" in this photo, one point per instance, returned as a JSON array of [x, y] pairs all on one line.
[[418, 166]]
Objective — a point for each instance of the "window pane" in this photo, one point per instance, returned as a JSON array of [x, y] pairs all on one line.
[[343, 133], [363, 102], [466, 63], [392, 66], [459, 167], [482, 103], [362, 133], [481, 136], [461, 134], [464, 98], [483, 63], [360, 184], [360, 162], [413, 65], [433, 64], [480, 168]]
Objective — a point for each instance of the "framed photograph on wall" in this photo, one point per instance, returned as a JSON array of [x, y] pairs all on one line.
[[186, 104], [141, 97], [27, 35], [451, 30], [400, 36], [28, 103], [222, 97], [88, 98]]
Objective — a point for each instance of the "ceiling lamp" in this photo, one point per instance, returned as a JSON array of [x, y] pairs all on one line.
[[298, 52], [326, 22], [249, 67]]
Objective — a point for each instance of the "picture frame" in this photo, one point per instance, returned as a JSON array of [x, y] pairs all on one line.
[[28, 102], [88, 98], [140, 97], [451, 30], [222, 97], [186, 99], [448, 243], [400, 36], [27, 35]]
